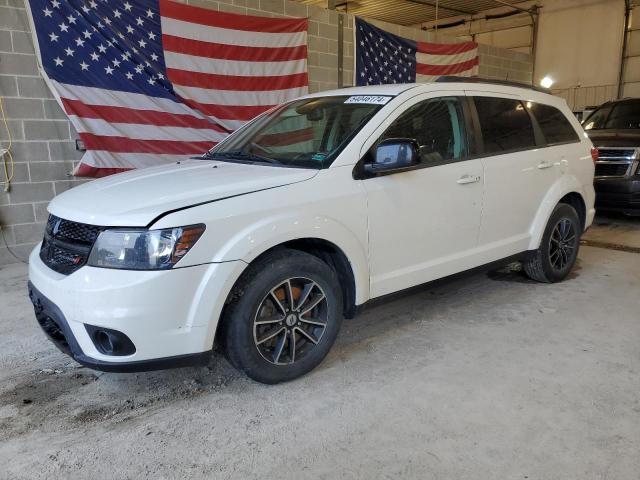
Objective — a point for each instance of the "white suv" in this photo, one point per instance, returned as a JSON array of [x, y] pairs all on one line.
[[300, 217]]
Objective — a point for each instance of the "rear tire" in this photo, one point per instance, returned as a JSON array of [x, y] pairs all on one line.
[[558, 249], [284, 315]]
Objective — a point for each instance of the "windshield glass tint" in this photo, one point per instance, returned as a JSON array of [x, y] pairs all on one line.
[[625, 115], [305, 133]]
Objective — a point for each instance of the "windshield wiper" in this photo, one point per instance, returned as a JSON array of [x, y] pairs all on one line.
[[240, 156]]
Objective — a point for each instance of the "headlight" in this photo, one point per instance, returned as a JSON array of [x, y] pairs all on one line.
[[143, 249]]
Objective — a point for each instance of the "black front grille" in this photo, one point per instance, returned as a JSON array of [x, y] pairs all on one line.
[[66, 244], [72, 231], [611, 169]]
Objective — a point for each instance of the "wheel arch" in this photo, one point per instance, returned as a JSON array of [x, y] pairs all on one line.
[[576, 200], [566, 190], [329, 253], [333, 256]]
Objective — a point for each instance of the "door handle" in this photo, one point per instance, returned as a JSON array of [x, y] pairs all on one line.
[[543, 165], [564, 165], [463, 180]]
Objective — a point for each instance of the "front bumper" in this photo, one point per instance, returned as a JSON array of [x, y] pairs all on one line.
[[55, 326], [618, 195], [170, 316]]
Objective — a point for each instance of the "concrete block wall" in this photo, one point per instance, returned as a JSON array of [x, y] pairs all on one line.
[[501, 64], [44, 141]]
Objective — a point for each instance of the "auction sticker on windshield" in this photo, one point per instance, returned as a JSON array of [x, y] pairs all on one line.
[[369, 99]]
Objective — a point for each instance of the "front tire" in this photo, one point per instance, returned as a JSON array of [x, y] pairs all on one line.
[[283, 316], [558, 249]]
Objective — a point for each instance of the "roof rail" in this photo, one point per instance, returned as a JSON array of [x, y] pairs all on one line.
[[509, 83]]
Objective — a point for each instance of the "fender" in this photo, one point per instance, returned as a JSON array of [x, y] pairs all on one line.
[[564, 185], [244, 227], [270, 232]]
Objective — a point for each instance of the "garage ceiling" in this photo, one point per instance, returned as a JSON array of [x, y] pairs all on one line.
[[411, 12]]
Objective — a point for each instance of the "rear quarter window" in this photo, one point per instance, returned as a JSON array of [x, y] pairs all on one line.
[[505, 125], [555, 127]]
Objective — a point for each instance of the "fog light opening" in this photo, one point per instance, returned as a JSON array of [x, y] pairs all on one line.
[[104, 342], [110, 342]]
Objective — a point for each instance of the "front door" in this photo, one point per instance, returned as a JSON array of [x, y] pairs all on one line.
[[424, 223]]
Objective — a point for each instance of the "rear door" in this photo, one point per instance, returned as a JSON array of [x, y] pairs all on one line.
[[560, 138], [517, 173]]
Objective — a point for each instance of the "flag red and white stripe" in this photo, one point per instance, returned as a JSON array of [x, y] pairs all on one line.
[[434, 60], [122, 130], [233, 67]]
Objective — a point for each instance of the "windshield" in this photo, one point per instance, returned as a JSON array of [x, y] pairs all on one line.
[[305, 133], [620, 116]]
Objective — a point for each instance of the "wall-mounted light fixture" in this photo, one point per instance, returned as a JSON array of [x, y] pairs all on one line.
[[546, 82]]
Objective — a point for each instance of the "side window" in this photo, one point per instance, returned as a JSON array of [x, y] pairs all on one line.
[[597, 118], [437, 125], [554, 125], [505, 124]]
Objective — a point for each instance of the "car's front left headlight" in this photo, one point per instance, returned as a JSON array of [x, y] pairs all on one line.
[[134, 249]]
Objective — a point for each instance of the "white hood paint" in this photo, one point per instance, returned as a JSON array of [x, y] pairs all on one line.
[[135, 198]]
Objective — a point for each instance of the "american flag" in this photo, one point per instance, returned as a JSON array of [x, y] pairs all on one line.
[[382, 57], [152, 81]]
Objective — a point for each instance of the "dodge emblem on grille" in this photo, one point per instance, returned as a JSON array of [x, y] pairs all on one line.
[[56, 226]]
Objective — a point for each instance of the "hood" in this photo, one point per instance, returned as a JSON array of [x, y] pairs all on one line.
[[614, 138], [137, 197]]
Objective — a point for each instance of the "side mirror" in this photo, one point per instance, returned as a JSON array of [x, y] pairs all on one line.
[[315, 115], [393, 154]]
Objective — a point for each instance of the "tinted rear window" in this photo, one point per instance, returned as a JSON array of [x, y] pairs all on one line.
[[554, 125], [505, 125]]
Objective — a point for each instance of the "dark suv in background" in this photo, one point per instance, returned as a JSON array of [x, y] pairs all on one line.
[[614, 129]]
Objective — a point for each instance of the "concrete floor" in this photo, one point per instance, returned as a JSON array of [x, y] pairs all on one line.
[[615, 231], [486, 377]]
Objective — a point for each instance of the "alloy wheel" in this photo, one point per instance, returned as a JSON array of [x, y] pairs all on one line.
[[563, 243], [290, 321]]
